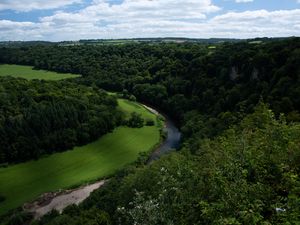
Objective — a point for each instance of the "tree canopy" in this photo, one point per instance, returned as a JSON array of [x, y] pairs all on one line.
[[40, 117], [239, 159]]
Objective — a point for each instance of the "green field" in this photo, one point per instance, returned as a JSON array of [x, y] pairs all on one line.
[[29, 73], [26, 181]]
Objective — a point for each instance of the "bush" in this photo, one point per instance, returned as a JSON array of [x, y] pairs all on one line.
[[163, 134], [3, 165], [149, 122], [20, 218], [135, 120], [125, 94], [132, 98]]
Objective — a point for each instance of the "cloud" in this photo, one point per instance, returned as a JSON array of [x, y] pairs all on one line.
[[243, 1], [260, 23], [139, 9], [29, 5], [156, 18]]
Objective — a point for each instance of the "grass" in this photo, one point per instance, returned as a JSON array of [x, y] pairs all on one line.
[[29, 73], [255, 42], [129, 106], [24, 182]]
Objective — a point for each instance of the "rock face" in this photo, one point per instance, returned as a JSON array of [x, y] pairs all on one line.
[[234, 73], [254, 75]]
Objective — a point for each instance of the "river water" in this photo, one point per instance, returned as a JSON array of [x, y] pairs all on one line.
[[171, 143], [76, 196]]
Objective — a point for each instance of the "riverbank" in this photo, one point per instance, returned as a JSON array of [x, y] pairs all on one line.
[[60, 200], [25, 182]]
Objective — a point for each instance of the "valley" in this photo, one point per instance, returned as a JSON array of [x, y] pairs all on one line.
[[24, 182], [100, 140]]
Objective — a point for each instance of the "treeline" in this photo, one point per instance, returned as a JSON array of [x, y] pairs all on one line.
[[40, 117], [218, 81]]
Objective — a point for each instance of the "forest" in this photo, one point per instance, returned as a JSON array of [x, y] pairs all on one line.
[[178, 78], [237, 105], [42, 117]]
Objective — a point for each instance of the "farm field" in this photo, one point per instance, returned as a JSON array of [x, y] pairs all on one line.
[[29, 73], [24, 182]]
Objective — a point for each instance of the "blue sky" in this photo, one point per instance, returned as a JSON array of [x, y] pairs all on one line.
[[58, 20]]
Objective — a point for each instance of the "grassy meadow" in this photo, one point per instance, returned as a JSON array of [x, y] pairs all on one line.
[[24, 182], [29, 73]]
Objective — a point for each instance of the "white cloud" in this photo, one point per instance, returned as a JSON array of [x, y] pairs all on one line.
[[10, 25], [28, 5], [156, 18], [139, 9], [242, 1], [260, 23]]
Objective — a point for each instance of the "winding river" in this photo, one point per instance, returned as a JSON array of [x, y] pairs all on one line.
[[59, 201], [172, 141]]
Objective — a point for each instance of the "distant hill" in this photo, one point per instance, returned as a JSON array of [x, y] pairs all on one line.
[[135, 40]]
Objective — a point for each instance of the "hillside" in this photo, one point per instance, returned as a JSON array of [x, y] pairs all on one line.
[[24, 182], [247, 175], [237, 106]]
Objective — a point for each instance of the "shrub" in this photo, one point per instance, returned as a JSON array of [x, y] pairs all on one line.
[[20, 218], [132, 98], [2, 198], [135, 120], [149, 122]]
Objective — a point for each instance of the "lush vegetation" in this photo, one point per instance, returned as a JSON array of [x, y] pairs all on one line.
[[247, 175], [39, 117], [183, 77], [237, 165], [25, 181], [29, 73]]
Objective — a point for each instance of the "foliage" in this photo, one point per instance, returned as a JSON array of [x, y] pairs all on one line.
[[19, 218], [178, 78], [238, 164], [39, 117], [125, 94], [77, 217], [135, 120], [150, 122], [240, 177], [24, 182]]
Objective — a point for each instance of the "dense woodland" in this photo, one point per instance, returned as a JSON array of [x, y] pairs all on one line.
[[39, 117], [217, 81], [239, 160]]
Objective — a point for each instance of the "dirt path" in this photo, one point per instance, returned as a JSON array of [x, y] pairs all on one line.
[[61, 200]]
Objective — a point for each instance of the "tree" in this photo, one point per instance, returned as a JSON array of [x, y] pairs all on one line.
[[135, 120], [149, 122]]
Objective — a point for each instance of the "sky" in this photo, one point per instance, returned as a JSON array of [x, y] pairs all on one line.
[[62, 20]]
